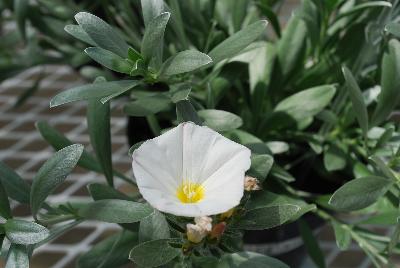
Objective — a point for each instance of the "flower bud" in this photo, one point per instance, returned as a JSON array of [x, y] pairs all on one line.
[[218, 230], [204, 222], [195, 233], [251, 184]]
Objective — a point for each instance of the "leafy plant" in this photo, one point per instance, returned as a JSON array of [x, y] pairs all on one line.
[[315, 103]]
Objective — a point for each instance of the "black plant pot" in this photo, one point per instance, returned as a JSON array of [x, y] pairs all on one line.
[[282, 242]]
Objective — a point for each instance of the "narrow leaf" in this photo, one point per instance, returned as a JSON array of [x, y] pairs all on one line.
[[342, 235], [312, 245], [115, 211], [5, 210], [102, 33], [152, 42], [53, 173], [109, 60], [390, 83], [17, 257], [98, 120], [237, 42], [25, 232], [357, 99], [151, 9], [100, 191], [93, 91], [15, 187], [266, 217], [21, 8], [78, 32], [183, 62]]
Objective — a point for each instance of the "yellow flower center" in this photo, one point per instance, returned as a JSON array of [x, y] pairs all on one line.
[[190, 192]]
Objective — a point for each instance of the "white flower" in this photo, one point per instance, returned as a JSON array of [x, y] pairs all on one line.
[[191, 171]]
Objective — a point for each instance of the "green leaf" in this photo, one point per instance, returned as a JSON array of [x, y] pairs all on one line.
[[133, 55], [220, 120], [237, 42], [154, 253], [179, 93], [186, 112], [53, 173], [80, 34], [363, 6], [17, 257], [152, 42], [115, 211], [25, 232], [260, 166], [307, 103], [15, 187], [334, 158], [100, 191], [311, 244], [395, 237], [94, 91], [102, 34], [393, 28], [153, 227], [292, 46], [183, 62], [109, 60], [278, 147], [58, 141], [384, 168], [357, 99], [266, 217], [151, 9], [390, 83], [281, 174], [264, 198], [110, 252], [147, 105], [359, 193], [249, 259], [98, 120], [21, 8], [5, 210], [342, 235]]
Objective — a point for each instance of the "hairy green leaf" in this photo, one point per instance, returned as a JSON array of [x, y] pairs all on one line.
[[154, 253], [53, 172], [25, 232]]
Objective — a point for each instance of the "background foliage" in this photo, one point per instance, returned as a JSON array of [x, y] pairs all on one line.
[[315, 102]]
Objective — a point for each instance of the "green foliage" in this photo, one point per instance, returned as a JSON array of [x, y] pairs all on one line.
[[115, 211], [53, 172], [348, 196], [249, 259], [154, 253], [24, 232], [287, 94]]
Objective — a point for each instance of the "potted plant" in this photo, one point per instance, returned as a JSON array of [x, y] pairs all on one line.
[[307, 116]]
